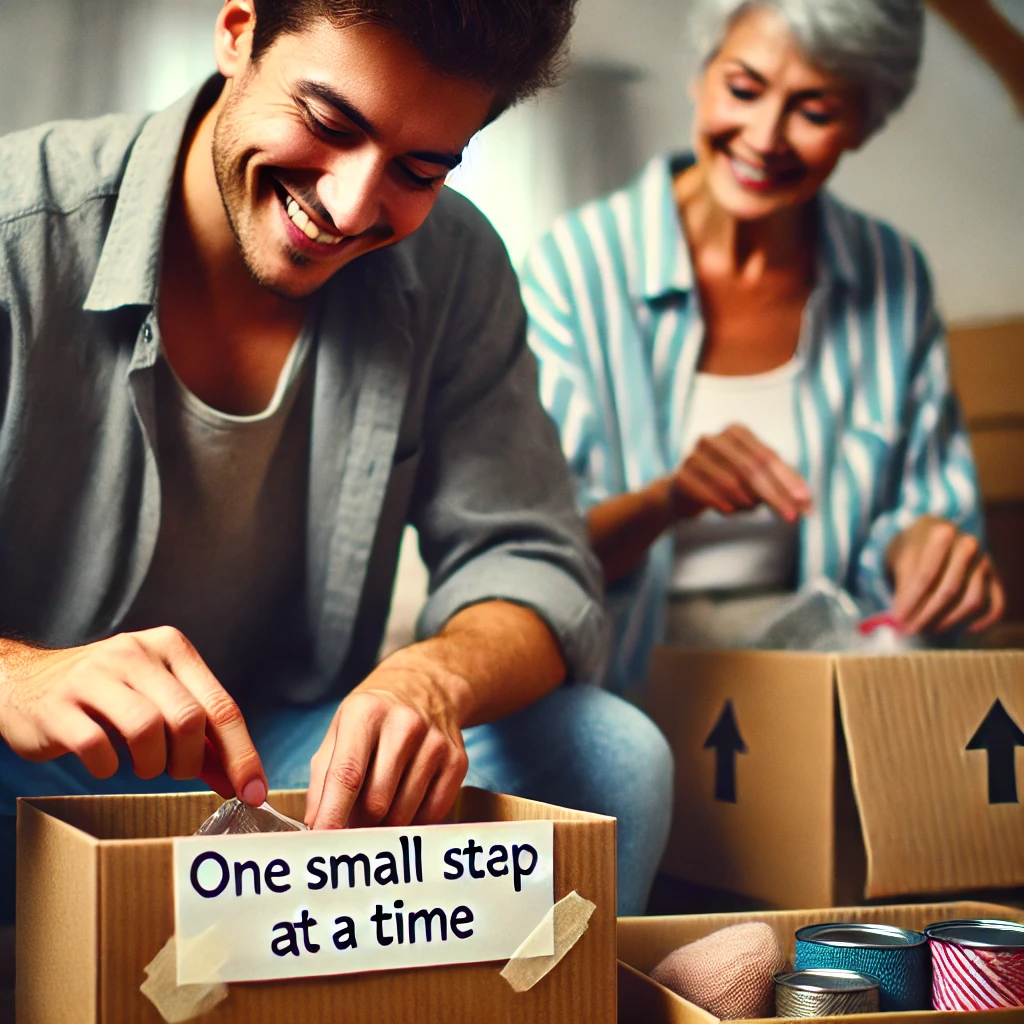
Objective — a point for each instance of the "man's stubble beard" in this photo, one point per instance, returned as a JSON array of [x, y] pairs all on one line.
[[230, 176]]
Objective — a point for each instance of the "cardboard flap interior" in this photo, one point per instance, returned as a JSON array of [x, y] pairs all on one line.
[[130, 816], [932, 741], [162, 815], [642, 1001]]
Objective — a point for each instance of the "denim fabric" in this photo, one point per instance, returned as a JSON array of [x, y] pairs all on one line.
[[578, 747]]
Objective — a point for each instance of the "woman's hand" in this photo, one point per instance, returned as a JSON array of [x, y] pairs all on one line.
[[734, 472], [942, 578]]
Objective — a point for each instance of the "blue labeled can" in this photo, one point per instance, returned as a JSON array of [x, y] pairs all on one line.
[[899, 959]]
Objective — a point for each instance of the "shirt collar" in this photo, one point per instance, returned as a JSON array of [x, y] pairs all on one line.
[[128, 270], [664, 267], [836, 257]]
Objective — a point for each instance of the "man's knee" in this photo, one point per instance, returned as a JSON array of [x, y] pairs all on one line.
[[628, 751], [650, 760]]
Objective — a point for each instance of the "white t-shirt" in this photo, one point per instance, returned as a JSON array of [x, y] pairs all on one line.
[[746, 550], [229, 555]]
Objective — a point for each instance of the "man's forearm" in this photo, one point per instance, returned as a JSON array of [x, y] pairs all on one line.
[[491, 660]]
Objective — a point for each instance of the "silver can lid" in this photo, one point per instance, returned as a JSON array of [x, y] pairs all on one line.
[[860, 935], [980, 933], [826, 979]]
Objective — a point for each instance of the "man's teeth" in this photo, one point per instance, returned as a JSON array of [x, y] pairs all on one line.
[[301, 220]]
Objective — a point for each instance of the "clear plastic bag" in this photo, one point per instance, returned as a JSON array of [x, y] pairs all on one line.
[[234, 817], [823, 617]]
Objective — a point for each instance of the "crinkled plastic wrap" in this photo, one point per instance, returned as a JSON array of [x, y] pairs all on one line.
[[823, 617], [235, 818]]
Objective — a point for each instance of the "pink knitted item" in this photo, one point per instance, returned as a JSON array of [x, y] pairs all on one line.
[[728, 973]]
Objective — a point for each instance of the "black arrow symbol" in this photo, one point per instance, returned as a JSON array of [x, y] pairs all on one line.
[[999, 734], [725, 738]]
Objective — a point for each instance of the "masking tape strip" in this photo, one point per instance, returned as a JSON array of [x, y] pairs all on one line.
[[571, 916], [177, 1003]]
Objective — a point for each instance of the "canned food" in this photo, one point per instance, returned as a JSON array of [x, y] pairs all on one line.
[[824, 993], [977, 964], [898, 958]]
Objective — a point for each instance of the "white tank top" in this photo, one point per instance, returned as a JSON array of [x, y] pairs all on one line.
[[746, 550]]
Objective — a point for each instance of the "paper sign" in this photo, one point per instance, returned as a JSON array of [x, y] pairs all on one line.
[[298, 904]]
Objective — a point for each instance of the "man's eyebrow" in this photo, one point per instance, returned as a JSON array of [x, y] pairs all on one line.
[[347, 109]]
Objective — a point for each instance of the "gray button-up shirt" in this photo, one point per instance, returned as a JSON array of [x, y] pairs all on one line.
[[424, 410]]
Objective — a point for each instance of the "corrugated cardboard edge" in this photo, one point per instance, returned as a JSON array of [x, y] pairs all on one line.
[[908, 832], [643, 941], [57, 926]]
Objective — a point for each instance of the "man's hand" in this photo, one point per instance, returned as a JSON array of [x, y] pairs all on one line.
[[393, 754], [942, 578], [150, 689], [733, 472]]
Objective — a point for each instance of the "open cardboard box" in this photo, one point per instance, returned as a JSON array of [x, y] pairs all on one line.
[[95, 905], [644, 941], [816, 780]]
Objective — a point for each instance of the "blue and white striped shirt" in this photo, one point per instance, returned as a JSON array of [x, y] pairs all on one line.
[[616, 325]]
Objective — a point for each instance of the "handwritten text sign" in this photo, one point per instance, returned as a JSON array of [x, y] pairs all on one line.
[[296, 904]]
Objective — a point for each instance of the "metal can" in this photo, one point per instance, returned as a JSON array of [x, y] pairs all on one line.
[[898, 958], [977, 964], [824, 993]]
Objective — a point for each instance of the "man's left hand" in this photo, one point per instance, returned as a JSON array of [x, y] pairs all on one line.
[[393, 754], [942, 578]]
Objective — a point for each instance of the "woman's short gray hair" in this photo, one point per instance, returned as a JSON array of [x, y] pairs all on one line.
[[876, 43]]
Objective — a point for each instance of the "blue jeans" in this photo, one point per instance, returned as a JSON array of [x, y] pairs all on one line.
[[578, 747]]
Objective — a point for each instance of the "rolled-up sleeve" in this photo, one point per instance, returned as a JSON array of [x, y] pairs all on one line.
[[493, 503]]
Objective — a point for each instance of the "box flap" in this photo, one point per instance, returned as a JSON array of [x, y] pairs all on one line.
[[999, 455], [643, 1001], [933, 741], [988, 371], [753, 737], [57, 936]]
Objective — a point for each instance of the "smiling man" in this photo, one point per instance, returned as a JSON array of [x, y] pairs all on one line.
[[243, 342]]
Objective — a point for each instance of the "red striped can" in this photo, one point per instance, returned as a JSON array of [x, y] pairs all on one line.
[[977, 965]]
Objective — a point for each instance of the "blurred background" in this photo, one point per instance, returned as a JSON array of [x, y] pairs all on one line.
[[947, 170]]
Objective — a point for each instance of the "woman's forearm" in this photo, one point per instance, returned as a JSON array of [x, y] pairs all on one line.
[[624, 527]]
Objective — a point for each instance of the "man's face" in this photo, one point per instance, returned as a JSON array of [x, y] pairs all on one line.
[[335, 143]]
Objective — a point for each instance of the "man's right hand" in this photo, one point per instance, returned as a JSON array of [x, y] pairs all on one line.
[[151, 689], [734, 472]]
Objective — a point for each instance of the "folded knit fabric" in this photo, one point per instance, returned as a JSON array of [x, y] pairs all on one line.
[[728, 973]]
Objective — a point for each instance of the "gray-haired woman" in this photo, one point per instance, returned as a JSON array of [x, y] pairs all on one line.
[[750, 378]]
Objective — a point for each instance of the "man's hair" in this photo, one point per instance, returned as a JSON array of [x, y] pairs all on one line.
[[512, 47]]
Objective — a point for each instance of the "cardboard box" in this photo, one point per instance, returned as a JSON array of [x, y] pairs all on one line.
[[816, 780], [95, 905], [644, 941], [988, 372], [988, 376]]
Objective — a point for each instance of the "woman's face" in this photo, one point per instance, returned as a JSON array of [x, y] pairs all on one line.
[[770, 127]]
